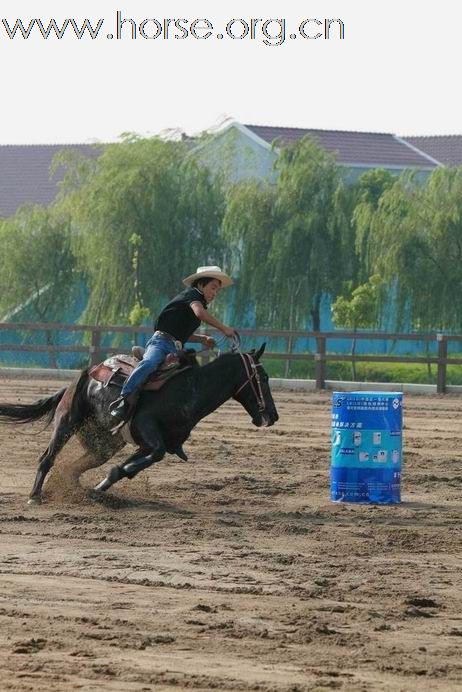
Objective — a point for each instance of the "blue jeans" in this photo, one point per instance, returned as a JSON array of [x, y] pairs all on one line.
[[157, 349]]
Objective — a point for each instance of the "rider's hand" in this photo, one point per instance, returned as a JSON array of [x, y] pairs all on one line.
[[229, 332]]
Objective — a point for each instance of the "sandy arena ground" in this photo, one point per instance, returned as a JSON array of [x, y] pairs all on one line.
[[234, 571]]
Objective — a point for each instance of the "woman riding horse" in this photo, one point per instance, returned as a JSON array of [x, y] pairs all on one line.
[[175, 326], [160, 424]]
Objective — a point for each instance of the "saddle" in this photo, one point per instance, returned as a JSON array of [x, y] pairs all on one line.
[[115, 370]]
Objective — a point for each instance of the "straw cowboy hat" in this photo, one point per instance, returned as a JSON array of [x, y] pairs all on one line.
[[209, 272]]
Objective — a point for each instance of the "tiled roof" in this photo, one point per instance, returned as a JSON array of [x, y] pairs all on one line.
[[445, 148], [24, 173], [354, 148], [24, 169]]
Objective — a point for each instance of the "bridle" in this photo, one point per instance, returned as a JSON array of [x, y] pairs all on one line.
[[253, 379], [251, 370]]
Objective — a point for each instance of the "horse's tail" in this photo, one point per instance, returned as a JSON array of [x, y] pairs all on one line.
[[26, 413], [72, 402]]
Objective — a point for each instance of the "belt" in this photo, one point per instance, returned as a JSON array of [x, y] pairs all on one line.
[[165, 335]]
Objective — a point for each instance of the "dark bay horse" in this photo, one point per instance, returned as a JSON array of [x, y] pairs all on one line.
[[162, 421]]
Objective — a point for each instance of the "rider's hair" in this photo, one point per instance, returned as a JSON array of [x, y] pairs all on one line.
[[203, 281]]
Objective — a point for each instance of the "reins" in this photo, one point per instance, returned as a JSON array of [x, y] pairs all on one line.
[[253, 377]]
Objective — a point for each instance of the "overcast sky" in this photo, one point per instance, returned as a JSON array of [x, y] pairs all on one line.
[[396, 70]]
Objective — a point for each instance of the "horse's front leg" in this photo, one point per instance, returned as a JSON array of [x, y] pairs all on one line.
[[139, 461], [151, 450]]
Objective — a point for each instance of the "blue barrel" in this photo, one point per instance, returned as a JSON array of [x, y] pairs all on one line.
[[366, 447]]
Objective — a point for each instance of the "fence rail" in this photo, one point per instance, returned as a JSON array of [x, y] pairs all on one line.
[[97, 351]]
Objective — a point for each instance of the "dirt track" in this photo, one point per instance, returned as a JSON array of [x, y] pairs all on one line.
[[234, 571]]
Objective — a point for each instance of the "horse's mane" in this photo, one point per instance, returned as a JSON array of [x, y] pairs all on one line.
[[222, 358], [225, 358]]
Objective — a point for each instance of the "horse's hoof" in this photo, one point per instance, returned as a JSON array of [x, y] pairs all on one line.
[[34, 500], [114, 475], [101, 487], [94, 494]]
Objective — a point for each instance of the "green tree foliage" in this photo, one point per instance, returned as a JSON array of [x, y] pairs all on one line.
[[416, 246], [248, 227], [368, 192], [38, 267], [294, 239], [308, 245], [144, 214], [359, 309], [436, 262], [138, 313]]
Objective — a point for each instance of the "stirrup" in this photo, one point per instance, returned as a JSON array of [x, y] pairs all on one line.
[[118, 426], [122, 410], [119, 403]]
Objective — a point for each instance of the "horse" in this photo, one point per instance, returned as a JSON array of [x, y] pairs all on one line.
[[162, 420]]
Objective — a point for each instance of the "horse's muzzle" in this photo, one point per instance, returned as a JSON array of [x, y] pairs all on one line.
[[265, 421]]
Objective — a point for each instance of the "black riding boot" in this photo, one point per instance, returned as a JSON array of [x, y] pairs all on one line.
[[122, 409]]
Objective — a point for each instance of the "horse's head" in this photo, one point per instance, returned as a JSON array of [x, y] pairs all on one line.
[[254, 392]]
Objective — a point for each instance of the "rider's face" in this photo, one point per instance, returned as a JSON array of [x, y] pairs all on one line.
[[210, 291]]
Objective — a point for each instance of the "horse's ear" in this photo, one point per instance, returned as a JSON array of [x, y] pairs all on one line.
[[260, 352]]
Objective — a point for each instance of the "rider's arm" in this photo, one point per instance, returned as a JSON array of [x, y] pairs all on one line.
[[207, 341], [202, 314]]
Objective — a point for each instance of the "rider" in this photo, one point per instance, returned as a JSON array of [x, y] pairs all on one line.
[[175, 326]]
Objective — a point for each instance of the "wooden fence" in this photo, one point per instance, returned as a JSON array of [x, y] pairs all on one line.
[[96, 351]]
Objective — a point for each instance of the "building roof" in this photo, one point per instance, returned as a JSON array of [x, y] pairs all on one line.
[[375, 149], [25, 176], [444, 148]]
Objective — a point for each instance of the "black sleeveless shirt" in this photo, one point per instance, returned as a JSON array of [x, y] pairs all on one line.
[[177, 317]]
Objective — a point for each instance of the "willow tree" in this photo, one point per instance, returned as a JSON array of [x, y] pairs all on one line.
[[38, 268], [248, 227], [437, 212], [294, 238], [368, 192], [37, 262], [416, 245], [145, 213]]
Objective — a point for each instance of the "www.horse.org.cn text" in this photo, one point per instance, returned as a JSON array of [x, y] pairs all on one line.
[[269, 32]]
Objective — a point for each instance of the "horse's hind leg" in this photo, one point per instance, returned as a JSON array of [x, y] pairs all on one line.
[[61, 434], [66, 420]]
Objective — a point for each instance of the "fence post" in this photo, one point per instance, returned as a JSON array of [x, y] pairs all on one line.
[[289, 350], [320, 362], [52, 349], [95, 346], [442, 355]]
